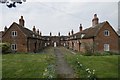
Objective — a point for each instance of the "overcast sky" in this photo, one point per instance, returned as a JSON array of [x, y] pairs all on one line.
[[60, 16]]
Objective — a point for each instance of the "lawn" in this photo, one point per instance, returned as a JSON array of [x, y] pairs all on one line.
[[104, 66], [30, 65]]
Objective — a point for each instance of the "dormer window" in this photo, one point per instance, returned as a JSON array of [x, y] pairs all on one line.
[[82, 35], [33, 35], [14, 33], [106, 33]]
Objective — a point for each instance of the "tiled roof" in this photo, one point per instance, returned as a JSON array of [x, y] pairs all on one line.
[[26, 31], [89, 32], [92, 31]]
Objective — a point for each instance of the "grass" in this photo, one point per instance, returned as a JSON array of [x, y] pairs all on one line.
[[29, 65], [104, 66]]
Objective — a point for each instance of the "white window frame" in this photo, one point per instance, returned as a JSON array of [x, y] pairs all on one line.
[[14, 46], [106, 47], [14, 33], [106, 33]]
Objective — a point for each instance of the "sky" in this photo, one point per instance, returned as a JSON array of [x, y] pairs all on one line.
[[60, 16]]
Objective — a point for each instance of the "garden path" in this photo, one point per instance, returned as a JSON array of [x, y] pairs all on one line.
[[63, 70]]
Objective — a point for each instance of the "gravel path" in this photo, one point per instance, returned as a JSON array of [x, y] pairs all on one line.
[[63, 70]]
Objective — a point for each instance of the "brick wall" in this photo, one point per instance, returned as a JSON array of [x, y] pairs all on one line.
[[20, 39], [112, 39]]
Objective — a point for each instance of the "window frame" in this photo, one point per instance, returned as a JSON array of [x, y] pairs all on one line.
[[106, 33], [14, 47], [106, 47], [14, 33]]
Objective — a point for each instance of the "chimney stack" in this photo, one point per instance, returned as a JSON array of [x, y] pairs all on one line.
[[34, 29], [69, 34], [59, 34], [72, 32], [50, 34], [5, 29], [21, 21], [38, 31], [80, 27], [95, 20]]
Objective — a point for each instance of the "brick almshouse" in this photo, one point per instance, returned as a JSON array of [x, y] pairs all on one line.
[[99, 37]]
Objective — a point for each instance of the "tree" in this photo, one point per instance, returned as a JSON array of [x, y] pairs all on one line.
[[11, 3]]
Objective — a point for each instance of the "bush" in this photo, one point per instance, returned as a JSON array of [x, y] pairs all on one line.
[[5, 47]]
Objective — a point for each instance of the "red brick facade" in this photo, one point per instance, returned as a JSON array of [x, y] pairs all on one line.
[[100, 37]]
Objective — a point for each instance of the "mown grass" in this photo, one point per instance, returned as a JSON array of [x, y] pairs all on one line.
[[29, 65], [104, 66]]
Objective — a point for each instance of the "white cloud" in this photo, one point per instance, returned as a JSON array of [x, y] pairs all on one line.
[[60, 16]]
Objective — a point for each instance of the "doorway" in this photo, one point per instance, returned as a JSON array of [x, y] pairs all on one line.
[[55, 44]]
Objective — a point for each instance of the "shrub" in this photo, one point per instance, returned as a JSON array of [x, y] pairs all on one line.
[[5, 47]]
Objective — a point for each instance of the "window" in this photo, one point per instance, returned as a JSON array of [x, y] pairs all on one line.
[[45, 44], [33, 35], [106, 33], [82, 35], [14, 33], [14, 47], [106, 47]]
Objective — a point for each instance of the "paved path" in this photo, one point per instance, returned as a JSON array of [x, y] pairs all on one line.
[[63, 70]]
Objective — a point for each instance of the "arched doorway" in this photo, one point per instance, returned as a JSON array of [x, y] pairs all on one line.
[[55, 44]]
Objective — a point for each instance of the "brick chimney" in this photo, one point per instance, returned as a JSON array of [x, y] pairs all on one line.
[[69, 34], [34, 29], [21, 21], [38, 31], [95, 20], [72, 32], [80, 27], [5, 28], [59, 34], [50, 34]]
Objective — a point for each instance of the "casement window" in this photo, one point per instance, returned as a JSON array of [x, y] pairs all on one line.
[[14, 46], [14, 33], [106, 47], [106, 33]]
